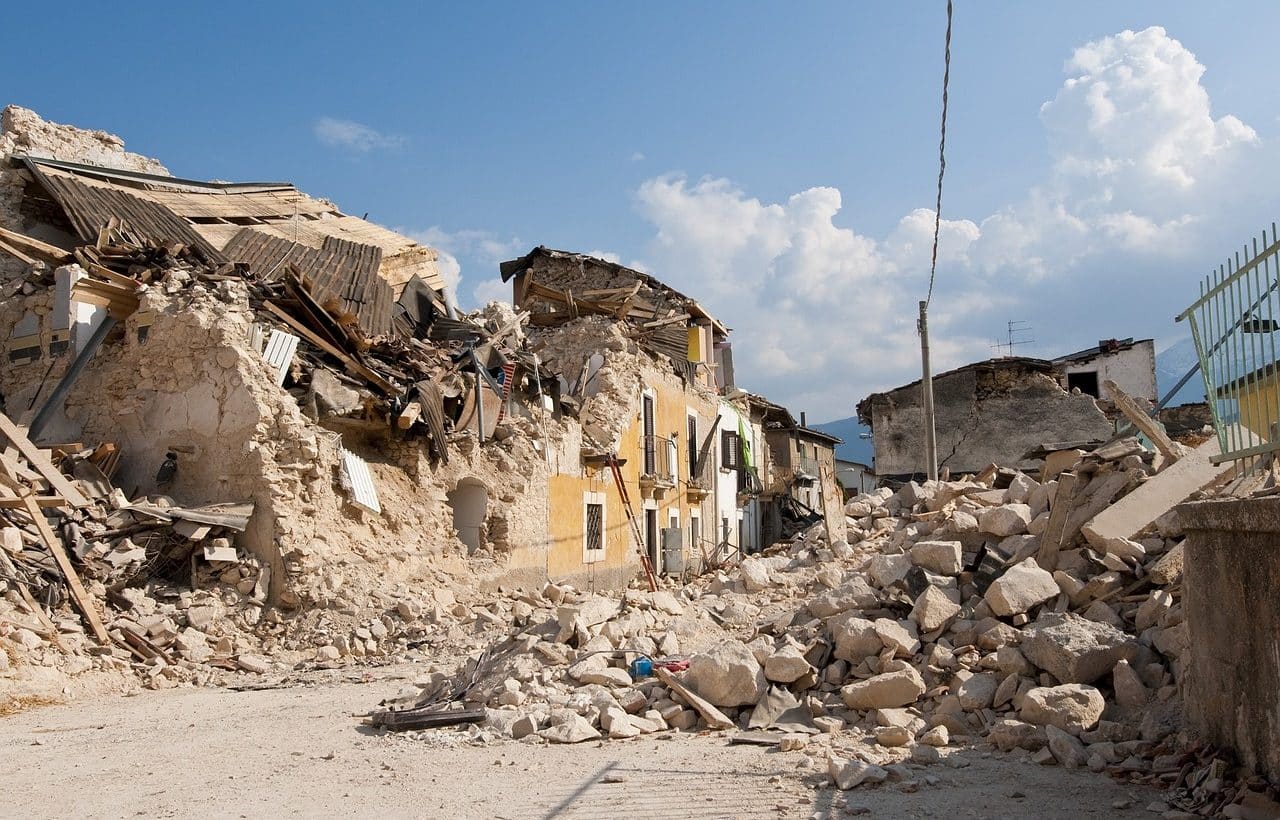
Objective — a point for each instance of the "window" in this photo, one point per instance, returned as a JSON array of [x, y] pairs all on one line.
[[730, 450], [650, 454], [695, 531], [692, 434], [592, 528], [1087, 382]]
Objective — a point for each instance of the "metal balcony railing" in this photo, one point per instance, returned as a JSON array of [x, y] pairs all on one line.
[[658, 459], [807, 465]]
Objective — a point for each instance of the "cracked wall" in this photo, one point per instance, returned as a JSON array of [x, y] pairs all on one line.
[[984, 415]]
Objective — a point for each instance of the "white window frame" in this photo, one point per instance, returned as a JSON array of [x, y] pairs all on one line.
[[590, 556]]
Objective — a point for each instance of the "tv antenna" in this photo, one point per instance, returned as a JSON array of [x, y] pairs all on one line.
[[1014, 331]]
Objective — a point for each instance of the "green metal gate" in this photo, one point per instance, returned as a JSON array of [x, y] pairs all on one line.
[[1234, 326]]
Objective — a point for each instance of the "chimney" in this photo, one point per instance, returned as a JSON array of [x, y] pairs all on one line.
[[802, 420]]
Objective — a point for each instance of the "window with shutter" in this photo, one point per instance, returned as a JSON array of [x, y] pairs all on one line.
[[730, 450]]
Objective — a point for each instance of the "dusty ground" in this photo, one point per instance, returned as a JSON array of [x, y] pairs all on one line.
[[298, 752]]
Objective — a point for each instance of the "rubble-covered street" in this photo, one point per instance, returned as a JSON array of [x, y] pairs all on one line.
[[291, 752]]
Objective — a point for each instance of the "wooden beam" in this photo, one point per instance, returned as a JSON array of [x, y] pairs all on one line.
[[78, 593], [408, 415], [42, 500], [31, 245], [39, 460], [1063, 503], [353, 366], [1150, 428]]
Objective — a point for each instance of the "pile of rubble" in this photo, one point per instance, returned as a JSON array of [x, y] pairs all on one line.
[[966, 612]]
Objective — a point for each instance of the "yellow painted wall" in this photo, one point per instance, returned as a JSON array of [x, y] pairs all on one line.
[[1259, 404], [566, 492]]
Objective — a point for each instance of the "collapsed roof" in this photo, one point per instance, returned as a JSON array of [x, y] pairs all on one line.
[[362, 266]]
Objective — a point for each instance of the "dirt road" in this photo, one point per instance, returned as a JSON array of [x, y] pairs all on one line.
[[298, 752]]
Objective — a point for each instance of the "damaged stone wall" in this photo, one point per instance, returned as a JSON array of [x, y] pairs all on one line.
[[985, 415]]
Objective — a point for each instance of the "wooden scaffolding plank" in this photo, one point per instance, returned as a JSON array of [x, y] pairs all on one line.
[[39, 460]]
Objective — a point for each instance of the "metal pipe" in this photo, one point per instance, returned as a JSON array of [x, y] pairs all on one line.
[[69, 378]]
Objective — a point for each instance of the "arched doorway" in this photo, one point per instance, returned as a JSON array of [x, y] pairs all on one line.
[[470, 504]]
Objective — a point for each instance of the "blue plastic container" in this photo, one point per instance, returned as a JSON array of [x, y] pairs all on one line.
[[641, 668]]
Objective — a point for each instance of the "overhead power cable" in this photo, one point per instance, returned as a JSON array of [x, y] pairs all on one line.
[[942, 158]]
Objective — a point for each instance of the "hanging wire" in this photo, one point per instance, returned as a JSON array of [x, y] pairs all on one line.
[[942, 158]]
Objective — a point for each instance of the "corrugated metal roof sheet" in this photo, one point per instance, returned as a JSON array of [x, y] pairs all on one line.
[[90, 207], [340, 270]]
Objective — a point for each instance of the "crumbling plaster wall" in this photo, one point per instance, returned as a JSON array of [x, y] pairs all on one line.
[[983, 417], [195, 386], [1133, 369]]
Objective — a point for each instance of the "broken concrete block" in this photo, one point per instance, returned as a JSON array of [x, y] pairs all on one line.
[[1157, 495], [1005, 520], [1072, 707], [1021, 587], [933, 610], [754, 574], [886, 570], [727, 675], [977, 692], [1153, 609], [11, 540], [1067, 750], [937, 737], [1167, 571], [1075, 649], [887, 690], [942, 557], [608, 676], [253, 663], [571, 728], [855, 638], [787, 665], [849, 773], [1128, 686], [897, 637], [892, 736], [1009, 734], [594, 611], [854, 594]]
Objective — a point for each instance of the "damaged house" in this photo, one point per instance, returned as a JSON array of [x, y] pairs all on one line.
[[991, 412], [642, 367]]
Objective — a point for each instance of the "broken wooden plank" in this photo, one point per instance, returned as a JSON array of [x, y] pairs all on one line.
[[42, 500], [714, 717], [39, 460], [78, 593], [410, 719], [406, 417], [353, 366], [32, 246], [1152, 429], [1063, 503]]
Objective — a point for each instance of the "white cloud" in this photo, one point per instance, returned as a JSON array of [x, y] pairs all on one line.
[[1141, 177], [353, 136], [479, 252], [638, 156]]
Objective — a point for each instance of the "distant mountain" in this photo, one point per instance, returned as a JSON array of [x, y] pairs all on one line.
[[1172, 365], [854, 448]]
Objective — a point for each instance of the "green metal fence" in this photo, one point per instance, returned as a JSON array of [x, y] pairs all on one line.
[[1234, 326]]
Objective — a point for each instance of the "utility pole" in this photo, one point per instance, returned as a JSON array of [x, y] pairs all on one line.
[[926, 396]]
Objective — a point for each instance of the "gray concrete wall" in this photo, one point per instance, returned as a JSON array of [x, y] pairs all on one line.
[[1231, 597], [983, 417]]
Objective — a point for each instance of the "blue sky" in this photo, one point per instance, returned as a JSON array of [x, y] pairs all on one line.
[[768, 159]]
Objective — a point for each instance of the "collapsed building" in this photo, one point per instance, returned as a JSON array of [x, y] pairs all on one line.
[[239, 387], [1013, 410]]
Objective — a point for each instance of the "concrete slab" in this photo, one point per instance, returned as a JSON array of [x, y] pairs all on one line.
[[1158, 494]]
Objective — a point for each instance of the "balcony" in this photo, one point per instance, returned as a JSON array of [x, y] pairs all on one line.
[[807, 468], [657, 463]]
